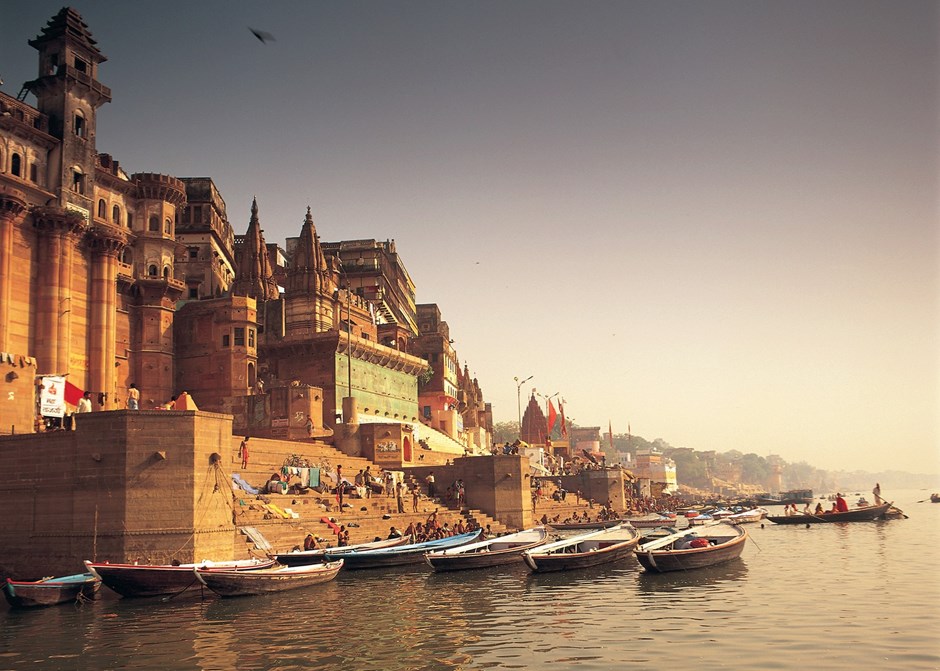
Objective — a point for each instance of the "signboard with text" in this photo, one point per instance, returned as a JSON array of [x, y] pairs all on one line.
[[52, 396]]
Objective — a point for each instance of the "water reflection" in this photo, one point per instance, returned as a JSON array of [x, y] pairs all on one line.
[[697, 580], [862, 592]]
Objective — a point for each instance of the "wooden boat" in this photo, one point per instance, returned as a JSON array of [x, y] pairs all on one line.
[[584, 526], [401, 555], [701, 519], [51, 591], [748, 516], [139, 580], [652, 522], [866, 514], [601, 546], [305, 557], [268, 580], [491, 552], [720, 542], [935, 498], [793, 496]]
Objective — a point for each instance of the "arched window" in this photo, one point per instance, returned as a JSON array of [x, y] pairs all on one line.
[[154, 226], [78, 180], [16, 165], [168, 226], [102, 209], [130, 219], [152, 270], [251, 375], [116, 215], [166, 272], [127, 256], [81, 128]]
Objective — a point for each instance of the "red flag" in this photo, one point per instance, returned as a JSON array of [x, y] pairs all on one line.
[[72, 393], [552, 416], [564, 424]]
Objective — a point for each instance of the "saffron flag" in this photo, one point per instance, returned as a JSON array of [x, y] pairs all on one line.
[[552, 416], [564, 424], [72, 393]]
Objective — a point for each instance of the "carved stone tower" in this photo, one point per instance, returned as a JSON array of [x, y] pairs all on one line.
[[309, 284], [68, 91]]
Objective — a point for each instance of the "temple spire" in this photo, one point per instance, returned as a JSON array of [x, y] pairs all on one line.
[[308, 270], [254, 277]]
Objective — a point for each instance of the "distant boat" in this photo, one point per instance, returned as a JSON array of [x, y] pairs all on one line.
[[693, 548], [594, 548], [400, 555], [798, 496], [304, 557], [935, 498], [866, 514], [266, 581], [495, 551], [575, 526], [140, 580], [651, 521], [748, 516], [51, 591]]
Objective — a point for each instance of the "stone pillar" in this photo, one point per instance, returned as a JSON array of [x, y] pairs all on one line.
[[57, 228], [64, 301], [12, 211], [107, 243]]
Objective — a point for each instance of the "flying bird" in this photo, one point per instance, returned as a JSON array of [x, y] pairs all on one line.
[[262, 36]]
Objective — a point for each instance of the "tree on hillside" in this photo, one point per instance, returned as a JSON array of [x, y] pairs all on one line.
[[505, 432]]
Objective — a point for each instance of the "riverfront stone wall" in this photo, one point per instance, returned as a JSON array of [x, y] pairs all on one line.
[[123, 486]]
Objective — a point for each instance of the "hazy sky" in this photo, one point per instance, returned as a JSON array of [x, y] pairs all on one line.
[[716, 222]]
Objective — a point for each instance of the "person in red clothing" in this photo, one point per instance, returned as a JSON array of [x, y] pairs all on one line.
[[841, 505]]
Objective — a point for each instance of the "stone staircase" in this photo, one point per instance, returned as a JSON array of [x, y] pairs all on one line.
[[365, 519]]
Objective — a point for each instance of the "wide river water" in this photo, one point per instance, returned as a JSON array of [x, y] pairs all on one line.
[[831, 597]]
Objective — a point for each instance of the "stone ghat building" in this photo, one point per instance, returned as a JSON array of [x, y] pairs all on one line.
[[113, 278]]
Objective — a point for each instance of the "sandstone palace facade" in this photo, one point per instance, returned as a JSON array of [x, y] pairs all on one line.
[[113, 278]]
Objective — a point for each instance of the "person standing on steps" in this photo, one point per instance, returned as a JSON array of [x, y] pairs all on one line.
[[430, 482], [243, 452]]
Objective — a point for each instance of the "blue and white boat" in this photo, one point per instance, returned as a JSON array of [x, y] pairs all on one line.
[[400, 555]]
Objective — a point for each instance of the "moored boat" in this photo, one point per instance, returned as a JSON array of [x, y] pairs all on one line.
[[140, 580], [51, 591], [748, 516], [601, 546], [866, 514], [495, 551], [412, 553], [651, 522], [693, 548], [304, 557], [584, 526], [268, 580]]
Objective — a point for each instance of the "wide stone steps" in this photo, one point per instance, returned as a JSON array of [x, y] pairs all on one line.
[[365, 518]]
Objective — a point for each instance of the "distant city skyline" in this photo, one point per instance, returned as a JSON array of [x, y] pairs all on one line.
[[715, 222]]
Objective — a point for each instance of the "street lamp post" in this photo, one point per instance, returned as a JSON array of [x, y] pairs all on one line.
[[519, 399]]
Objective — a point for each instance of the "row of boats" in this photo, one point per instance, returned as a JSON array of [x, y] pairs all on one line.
[[560, 547], [542, 549]]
